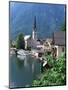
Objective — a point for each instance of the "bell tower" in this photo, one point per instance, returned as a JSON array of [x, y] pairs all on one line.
[[34, 32]]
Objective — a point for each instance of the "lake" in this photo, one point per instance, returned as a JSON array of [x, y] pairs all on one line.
[[23, 72]]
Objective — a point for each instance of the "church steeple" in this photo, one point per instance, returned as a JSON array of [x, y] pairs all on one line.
[[34, 33], [34, 25]]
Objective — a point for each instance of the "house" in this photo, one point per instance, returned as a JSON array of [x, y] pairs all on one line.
[[48, 44], [26, 37], [58, 43]]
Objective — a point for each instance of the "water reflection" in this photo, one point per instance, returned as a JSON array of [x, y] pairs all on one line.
[[23, 72], [20, 63], [32, 67]]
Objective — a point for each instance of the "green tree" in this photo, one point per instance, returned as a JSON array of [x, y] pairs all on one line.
[[20, 43], [63, 27], [55, 75]]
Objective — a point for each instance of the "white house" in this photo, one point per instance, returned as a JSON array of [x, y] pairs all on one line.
[[26, 37]]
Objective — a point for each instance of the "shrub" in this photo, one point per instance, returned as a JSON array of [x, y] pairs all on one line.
[[55, 75]]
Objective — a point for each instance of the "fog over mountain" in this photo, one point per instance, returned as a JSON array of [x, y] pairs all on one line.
[[49, 18]]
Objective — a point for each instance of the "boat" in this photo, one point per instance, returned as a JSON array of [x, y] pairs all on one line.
[[21, 52], [21, 57]]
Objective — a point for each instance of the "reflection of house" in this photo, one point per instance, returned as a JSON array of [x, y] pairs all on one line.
[[59, 43]]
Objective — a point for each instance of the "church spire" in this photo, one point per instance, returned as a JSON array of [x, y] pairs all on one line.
[[34, 25], [34, 33]]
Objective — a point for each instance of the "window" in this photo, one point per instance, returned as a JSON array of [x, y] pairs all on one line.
[[63, 49]]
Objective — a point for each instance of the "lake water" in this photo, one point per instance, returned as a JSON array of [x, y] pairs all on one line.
[[23, 72]]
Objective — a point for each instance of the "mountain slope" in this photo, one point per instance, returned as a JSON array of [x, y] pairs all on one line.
[[49, 18]]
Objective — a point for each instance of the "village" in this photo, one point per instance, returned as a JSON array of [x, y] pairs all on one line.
[[38, 47]]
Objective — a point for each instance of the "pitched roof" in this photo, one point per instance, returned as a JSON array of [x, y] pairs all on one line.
[[59, 38]]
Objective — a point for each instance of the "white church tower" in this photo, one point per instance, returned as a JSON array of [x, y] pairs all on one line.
[[34, 32]]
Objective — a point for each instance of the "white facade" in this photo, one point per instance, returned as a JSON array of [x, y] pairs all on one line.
[[34, 35], [26, 37], [59, 50]]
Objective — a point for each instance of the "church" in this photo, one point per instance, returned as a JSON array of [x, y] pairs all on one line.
[[32, 40]]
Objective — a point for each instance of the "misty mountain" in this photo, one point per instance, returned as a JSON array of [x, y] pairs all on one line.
[[49, 18]]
